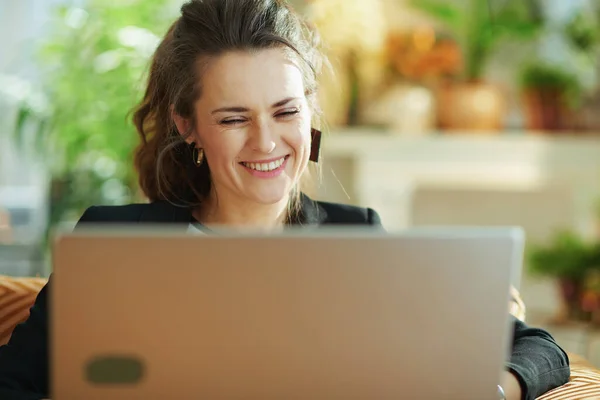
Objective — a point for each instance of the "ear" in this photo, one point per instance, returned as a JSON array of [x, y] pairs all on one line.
[[183, 125]]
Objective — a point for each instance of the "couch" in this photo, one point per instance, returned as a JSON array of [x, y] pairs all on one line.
[[18, 294]]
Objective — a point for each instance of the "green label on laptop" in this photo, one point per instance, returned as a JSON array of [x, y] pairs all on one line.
[[115, 370]]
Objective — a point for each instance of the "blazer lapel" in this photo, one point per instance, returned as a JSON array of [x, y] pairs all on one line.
[[312, 213], [164, 212]]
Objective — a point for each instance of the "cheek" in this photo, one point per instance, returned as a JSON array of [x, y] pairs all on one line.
[[298, 140], [301, 138], [222, 148]]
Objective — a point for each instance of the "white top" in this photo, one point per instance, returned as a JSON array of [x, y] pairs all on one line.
[[194, 230]]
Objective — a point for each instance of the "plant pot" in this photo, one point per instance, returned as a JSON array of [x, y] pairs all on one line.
[[474, 106], [570, 294], [575, 302], [545, 110], [405, 109], [589, 118]]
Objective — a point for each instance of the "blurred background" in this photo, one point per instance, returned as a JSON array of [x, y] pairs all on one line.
[[438, 112]]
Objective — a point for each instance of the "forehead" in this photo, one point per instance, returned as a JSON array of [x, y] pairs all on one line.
[[252, 77]]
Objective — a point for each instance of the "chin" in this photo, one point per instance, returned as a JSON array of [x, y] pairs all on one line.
[[269, 196], [270, 199]]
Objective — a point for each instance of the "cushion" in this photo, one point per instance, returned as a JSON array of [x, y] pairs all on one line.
[[584, 382], [17, 295]]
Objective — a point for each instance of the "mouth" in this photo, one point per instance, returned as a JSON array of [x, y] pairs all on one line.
[[265, 166]]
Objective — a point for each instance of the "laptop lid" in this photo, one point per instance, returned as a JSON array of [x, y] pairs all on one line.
[[317, 315]]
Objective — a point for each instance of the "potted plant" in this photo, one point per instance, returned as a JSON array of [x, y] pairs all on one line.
[[471, 102], [550, 96], [572, 262], [416, 60], [582, 33]]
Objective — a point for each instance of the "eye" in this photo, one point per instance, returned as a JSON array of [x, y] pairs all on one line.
[[233, 121], [287, 113]]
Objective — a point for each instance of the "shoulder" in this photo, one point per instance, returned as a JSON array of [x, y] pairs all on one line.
[[155, 212], [336, 213], [118, 214]]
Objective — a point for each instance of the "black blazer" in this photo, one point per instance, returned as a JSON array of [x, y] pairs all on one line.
[[539, 363]]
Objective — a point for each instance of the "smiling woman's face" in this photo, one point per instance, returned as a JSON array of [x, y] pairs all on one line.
[[253, 122]]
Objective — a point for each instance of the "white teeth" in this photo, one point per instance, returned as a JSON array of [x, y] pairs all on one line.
[[273, 165]]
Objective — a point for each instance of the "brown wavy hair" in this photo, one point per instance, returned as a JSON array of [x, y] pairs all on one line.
[[207, 29]]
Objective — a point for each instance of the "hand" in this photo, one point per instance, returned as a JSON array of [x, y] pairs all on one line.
[[511, 386]]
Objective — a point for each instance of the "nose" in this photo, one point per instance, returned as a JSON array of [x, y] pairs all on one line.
[[262, 137]]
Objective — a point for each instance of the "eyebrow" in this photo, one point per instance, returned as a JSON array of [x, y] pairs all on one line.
[[244, 109]]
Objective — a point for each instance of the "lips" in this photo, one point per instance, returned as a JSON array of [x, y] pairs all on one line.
[[265, 166]]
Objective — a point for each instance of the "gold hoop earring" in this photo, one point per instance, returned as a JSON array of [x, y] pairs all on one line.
[[198, 156]]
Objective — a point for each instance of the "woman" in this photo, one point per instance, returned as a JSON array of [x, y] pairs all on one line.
[[225, 128]]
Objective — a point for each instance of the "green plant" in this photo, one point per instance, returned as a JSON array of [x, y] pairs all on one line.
[[480, 27], [547, 77], [575, 264], [583, 31], [583, 35], [92, 64], [567, 256]]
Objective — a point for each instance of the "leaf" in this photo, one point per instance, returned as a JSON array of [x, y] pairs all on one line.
[[41, 140], [19, 132], [89, 120], [446, 13], [566, 256], [480, 29]]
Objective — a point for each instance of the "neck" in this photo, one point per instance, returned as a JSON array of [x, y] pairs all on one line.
[[238, 213]]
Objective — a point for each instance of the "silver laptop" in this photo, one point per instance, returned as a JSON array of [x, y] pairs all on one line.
[[314, 315]]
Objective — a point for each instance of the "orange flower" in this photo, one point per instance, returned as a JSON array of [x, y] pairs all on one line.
[[420, 54]]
